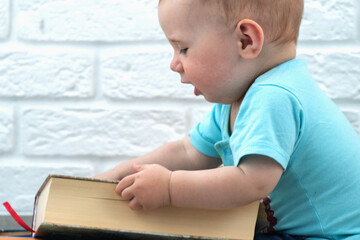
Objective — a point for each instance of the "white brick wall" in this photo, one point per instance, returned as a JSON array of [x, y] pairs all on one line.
[[85, 84]]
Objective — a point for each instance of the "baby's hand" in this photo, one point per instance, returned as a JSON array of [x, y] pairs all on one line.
[[147, 188]]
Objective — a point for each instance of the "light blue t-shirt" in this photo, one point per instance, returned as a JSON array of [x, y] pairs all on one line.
[[287, 117]]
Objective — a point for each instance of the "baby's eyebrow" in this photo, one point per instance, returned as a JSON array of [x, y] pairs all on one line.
[[174, 40], [177, 41]]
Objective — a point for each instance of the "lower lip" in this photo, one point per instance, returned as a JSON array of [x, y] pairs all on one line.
[[196, 92]]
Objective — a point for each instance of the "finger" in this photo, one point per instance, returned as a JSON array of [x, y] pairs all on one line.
[[136, 168], [127, 194], [135, 205], [124, 183]]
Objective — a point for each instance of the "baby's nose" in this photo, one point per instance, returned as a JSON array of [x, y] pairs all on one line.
[[176, 65]]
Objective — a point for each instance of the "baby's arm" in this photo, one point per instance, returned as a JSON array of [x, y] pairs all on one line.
[[173, 156], [225, 187], [153, 186]]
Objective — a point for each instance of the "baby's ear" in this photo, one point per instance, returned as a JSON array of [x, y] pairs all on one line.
[[250, 38]]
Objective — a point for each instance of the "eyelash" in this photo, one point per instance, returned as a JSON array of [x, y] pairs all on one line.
[[183, 50]]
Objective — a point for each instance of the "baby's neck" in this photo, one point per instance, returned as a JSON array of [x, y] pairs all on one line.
[[274, 55], [271, 56]]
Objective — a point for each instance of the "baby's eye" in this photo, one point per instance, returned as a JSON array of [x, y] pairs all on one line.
[[183, 50]]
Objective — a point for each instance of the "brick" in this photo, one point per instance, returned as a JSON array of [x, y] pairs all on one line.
[[88, 20], [329, 20], [45, 74], [99, 132], [353, 115], [141, 74], [6, 130], [20, 182], [195, 114], [4, 18], [336, 71]]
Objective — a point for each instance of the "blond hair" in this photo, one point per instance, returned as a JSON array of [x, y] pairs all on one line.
[[279, 19]]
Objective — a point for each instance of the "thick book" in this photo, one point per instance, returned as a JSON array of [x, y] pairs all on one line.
[[84, 208]]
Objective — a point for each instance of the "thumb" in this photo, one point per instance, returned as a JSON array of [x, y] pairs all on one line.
[[136, 168]]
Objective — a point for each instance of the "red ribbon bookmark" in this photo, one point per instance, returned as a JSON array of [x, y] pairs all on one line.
[[17, 217]]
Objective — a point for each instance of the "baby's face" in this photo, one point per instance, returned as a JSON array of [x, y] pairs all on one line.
[[205, 51]]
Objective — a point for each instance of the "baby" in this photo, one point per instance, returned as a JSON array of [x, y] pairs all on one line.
[[278, 136]]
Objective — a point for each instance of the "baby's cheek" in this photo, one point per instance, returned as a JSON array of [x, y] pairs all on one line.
[[201, 74]]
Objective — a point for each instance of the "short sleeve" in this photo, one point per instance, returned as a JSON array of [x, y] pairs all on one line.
[[207, 132], [268, 123]]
